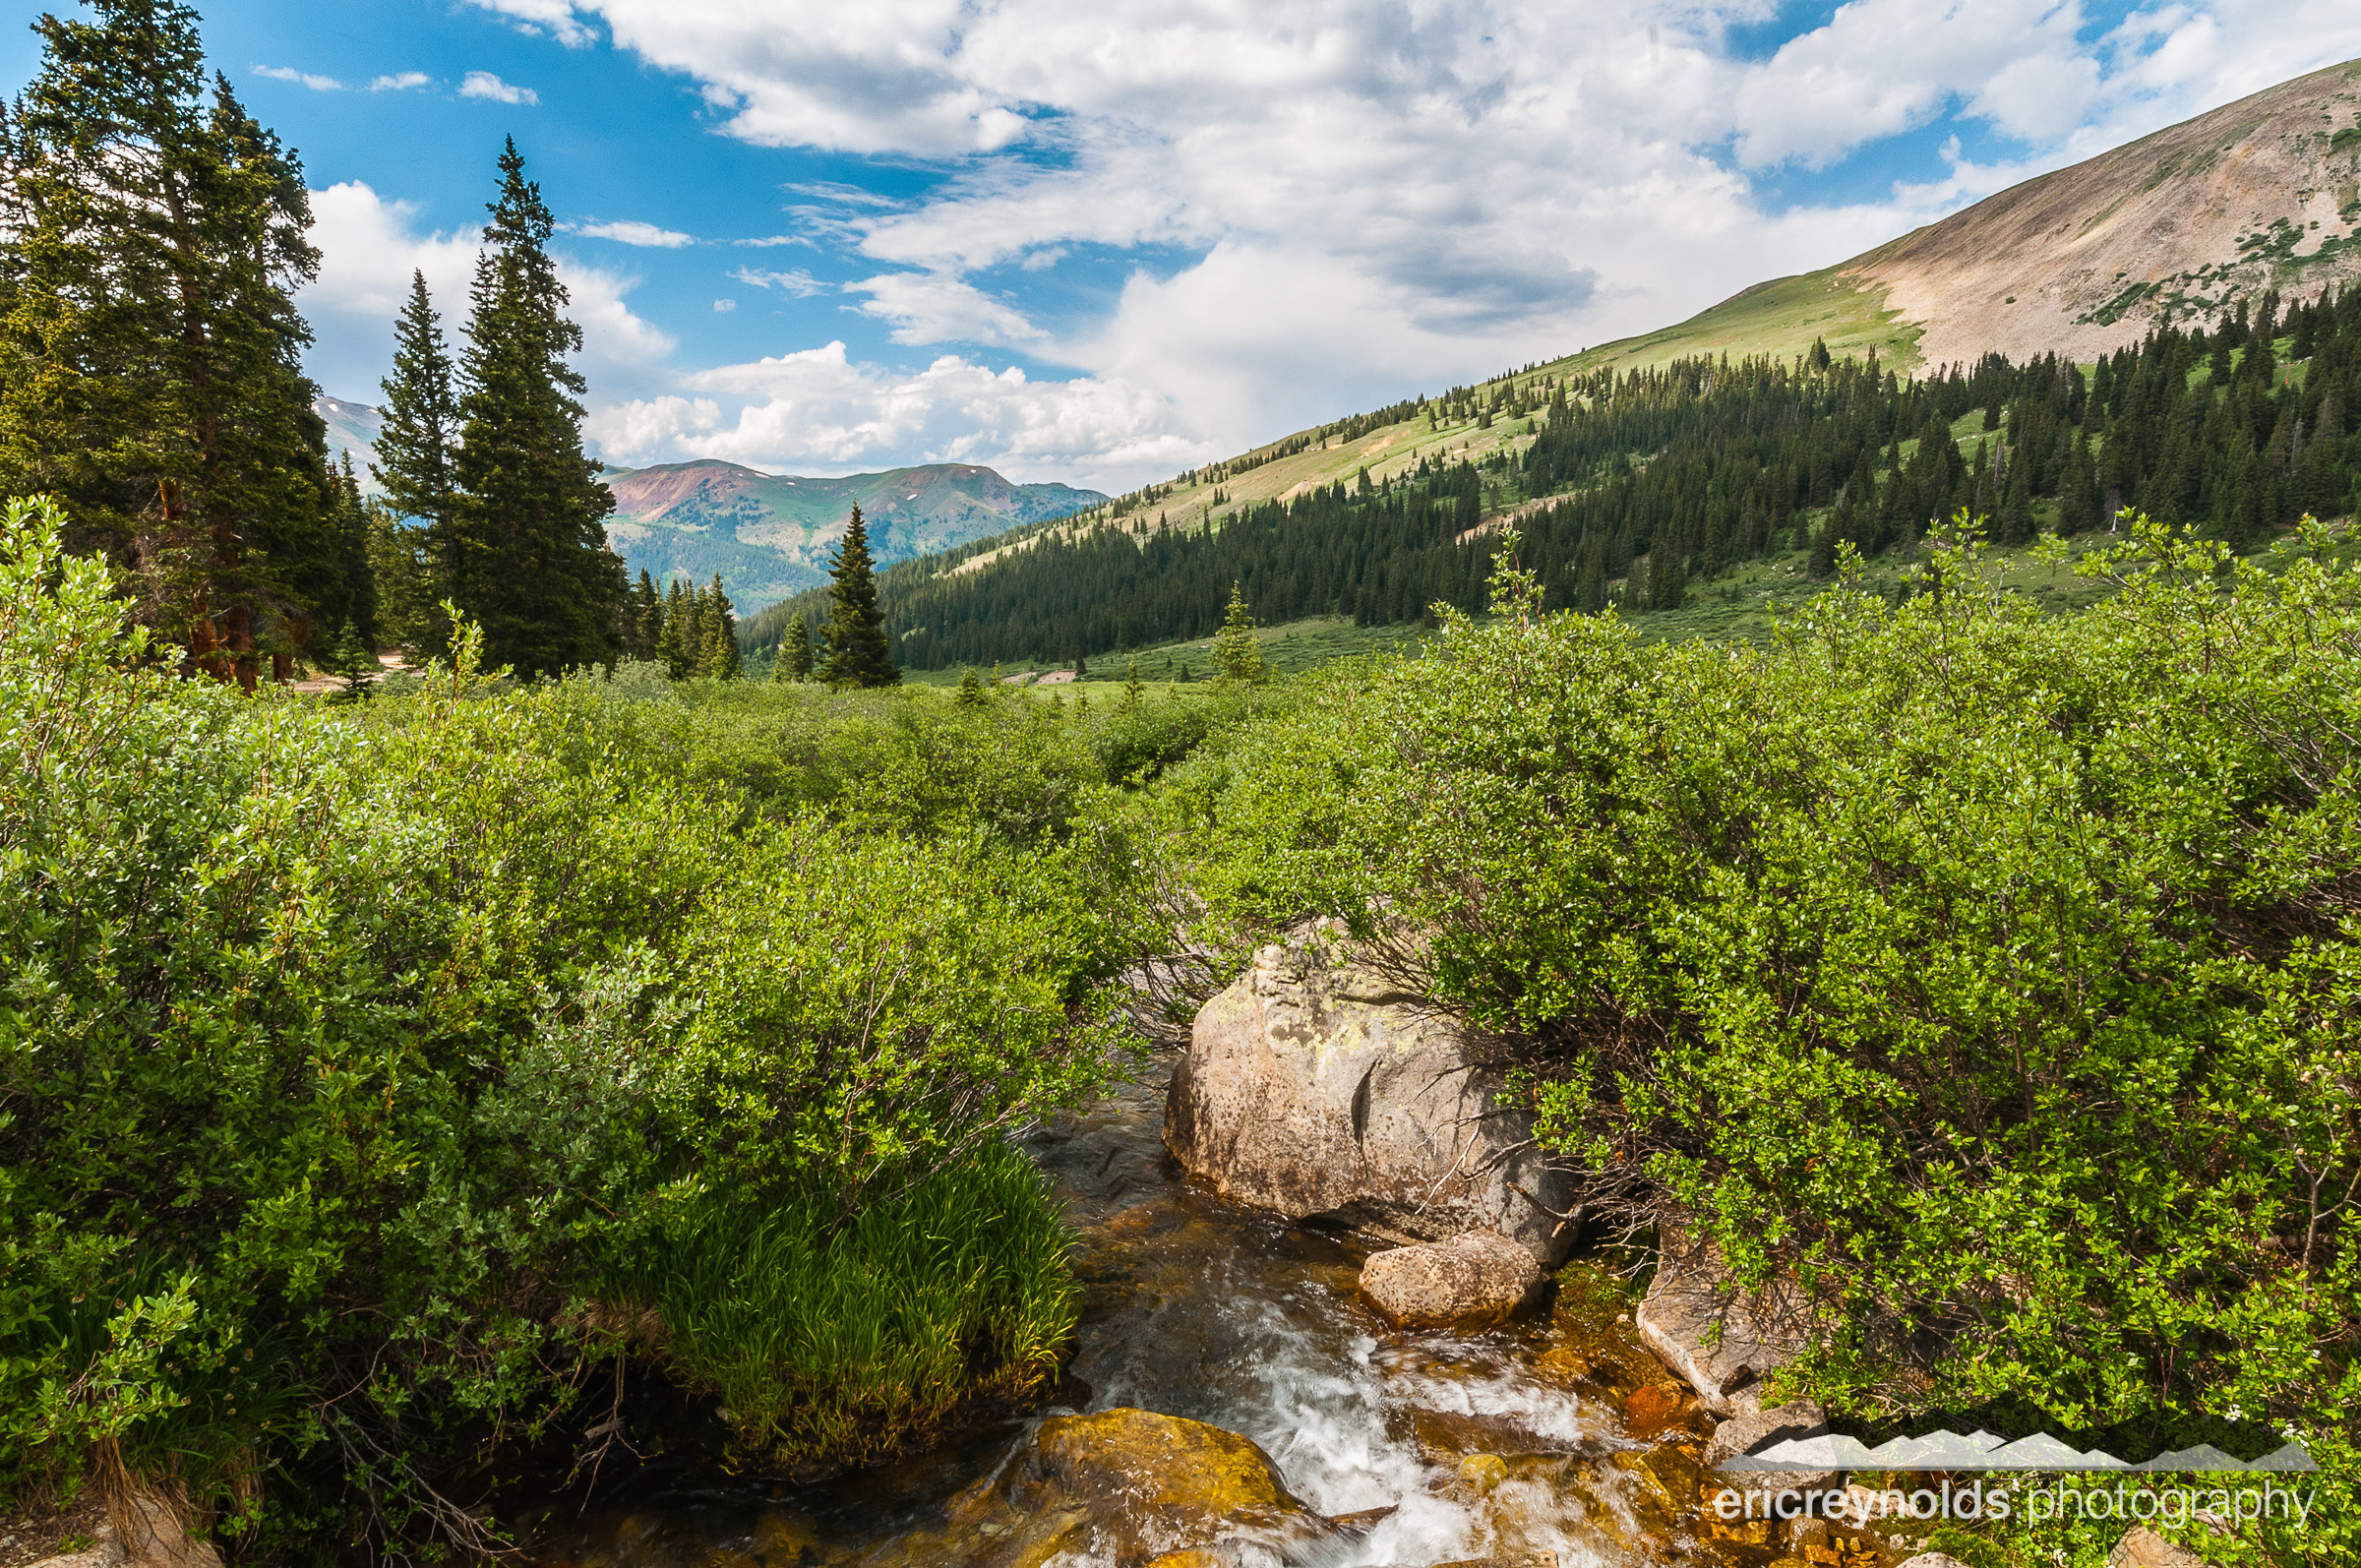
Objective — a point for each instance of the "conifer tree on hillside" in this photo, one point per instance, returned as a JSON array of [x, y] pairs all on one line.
[[1235, 654], [718, 658], [530, 560], [153, 238], [858, 652], [794, 662], [421, 426], [357, 607], [644, 618]]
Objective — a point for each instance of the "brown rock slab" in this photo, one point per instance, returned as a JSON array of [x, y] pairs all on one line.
[[1721, 1339], [1475, 1279], [1151, 1485], [2142, 1547]]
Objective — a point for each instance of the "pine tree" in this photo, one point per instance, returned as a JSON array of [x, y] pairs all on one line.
[[421, 426], [153, 382], [672, 641], [530, 560], [646, 618], [1235, 654], [2017, 512], [353, 660], [971, 689], [357, 608], [718, 659], [795, 649], [1134, 692], [858, 652], [409, 615]]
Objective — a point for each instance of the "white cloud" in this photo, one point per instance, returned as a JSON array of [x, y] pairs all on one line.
[[633, 232], [725, 305], [484, 85], [933, 308], [318, 84], [816, 410], [400, 82], [369, 247], [555, 18], [798, 282], [1345, 201]]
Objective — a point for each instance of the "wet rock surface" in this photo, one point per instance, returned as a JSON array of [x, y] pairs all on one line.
[[1315, 1086], [1470, 1280], [1213, 1334]]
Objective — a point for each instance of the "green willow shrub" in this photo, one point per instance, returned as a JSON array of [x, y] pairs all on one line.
[[1996, 975], [345, 1052]]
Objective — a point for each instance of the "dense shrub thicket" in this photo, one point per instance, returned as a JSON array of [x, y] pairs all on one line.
[[366, 1073], [1994, 978]]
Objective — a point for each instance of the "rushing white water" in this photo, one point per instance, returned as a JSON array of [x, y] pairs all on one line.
[[1199, 1309]]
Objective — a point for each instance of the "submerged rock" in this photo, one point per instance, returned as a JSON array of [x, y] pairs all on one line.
[[1317, 1087], [1477, 1278]]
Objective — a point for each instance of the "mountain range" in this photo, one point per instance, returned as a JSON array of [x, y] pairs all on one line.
[[2174, 229], [769, 535]]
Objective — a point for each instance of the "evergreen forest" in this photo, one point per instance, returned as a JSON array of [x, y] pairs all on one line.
[[1642, 487]]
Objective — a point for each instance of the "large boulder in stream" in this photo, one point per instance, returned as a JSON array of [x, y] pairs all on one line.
[[1470, 1280], [1317, 1087], [1146, 1484]]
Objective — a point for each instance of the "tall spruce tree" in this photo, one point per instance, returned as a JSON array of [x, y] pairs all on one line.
[[795, 649], [530, 560], [357, 609], [153, 382], [858, 652], [421, 427]]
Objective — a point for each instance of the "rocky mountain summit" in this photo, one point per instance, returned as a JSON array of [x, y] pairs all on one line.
[[2178, 226]]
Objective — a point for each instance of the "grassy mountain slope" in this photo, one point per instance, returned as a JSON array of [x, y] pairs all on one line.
[[2177, 227]]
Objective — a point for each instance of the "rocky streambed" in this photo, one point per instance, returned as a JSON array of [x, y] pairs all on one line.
[[1235, 1398]]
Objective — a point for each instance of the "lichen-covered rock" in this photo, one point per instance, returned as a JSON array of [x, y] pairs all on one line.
[[1315, 1086], [1474, 1279], [1721, 1339], [1154, 1484]]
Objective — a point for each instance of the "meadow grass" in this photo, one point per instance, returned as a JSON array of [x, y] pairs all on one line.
[[829, 1343]]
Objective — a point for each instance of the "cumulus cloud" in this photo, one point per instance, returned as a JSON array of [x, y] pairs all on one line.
[[400, 82], [318, 84], [555, 17], [725, 305], [633, 232], [1332, 204], [935, 308], [369, 248], [819, 409], [484, 85]]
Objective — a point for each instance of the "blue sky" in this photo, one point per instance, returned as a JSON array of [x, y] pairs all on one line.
[[1102, 240]]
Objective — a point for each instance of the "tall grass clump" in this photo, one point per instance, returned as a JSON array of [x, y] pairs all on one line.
[[837, 1340]]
